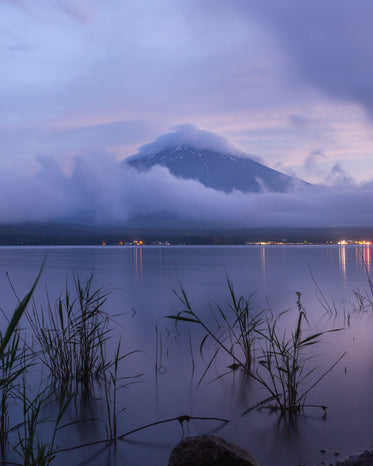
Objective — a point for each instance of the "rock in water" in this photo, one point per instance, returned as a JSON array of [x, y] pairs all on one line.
[[209, 450]]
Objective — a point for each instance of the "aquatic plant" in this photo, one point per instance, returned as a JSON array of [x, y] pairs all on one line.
[[238, 327], [282, 360], [112, 385], [285, 359], [14, 360], [72, 333], [329, 306], [364, 300], [32, 448], [244, 329]]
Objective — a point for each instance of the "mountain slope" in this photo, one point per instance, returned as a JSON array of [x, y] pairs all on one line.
[[218, 170]]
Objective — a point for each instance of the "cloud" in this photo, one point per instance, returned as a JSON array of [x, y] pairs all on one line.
[[312, 162], [74, 67], [189, 134], [122, 136], [329, 43], [337, 176], [100, 191]]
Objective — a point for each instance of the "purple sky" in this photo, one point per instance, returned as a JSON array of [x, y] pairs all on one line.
[[288, 81]]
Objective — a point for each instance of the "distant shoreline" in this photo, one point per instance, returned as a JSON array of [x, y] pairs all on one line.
[[176, 245], [77, 234]]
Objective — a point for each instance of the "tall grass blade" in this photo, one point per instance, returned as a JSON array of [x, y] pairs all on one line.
[[20, 309]]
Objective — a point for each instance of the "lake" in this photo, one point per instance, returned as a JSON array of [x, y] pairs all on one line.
[[143, 282]]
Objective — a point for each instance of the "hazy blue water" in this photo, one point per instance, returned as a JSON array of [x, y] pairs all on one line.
[[142, 280]]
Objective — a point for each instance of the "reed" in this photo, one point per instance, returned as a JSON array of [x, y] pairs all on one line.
[[364, 300], [113, 384], [72, 332], [32, 448], [237, 327], [17, 314], [243, 331], [282, 363], [13, 363], [14, 360], [285, 360]]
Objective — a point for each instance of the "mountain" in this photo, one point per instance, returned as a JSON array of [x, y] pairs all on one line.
[[215, 169]]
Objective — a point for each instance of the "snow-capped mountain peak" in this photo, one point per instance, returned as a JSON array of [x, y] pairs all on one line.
[[219, 170]]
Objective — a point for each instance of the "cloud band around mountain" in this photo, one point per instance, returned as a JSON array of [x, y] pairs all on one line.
[[100, 191]]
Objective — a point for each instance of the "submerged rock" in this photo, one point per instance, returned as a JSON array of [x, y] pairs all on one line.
[[364, 459], [209, 450]]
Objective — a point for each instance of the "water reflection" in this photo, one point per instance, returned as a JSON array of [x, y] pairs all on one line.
[[342, 260], [263, 261], [363, 257], [367, 257], [137, 259], [263, 257]]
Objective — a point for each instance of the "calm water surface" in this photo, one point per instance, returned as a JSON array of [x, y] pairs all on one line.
[[142, 282]]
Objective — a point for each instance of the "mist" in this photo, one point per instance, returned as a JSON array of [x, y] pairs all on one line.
[[189, 134], [101, 191]]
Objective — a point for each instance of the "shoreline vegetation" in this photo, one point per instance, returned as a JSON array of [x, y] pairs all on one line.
[[68, 340]]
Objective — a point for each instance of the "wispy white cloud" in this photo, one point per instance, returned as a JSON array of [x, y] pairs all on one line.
[[189, 134], [100, 191]]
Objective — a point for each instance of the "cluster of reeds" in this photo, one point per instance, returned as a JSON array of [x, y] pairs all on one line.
[[14, 362], [364, 300], [285, 359], [236, 330], [72, 332], [31, 447], [282, 359], [71, 335]]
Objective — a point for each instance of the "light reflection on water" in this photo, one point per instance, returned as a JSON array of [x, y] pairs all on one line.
[[143, 278], [367, 257], [342, 260]]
